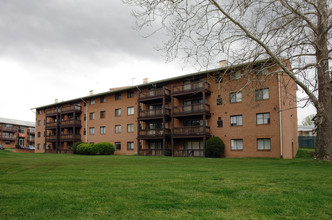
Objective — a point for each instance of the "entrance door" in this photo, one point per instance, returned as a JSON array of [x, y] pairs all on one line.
[[21, 142]]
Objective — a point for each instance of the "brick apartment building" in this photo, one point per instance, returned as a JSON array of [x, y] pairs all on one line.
[[251, 107], [13, 132]]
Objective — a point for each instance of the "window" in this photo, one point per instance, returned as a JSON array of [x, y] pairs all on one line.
[[219, 100], [92, 101], [130, 110], [236, 120], [263, 144], [263, 118], [130, 145], [130, 128], [237, 144], [236, 97], [262, 94], [20, 129], [117, 145], [38, 134], [39, 111], [118, 112], [235, 75], [118, 96], [92, 116], [91, 131], [102, 114], [102, 99], [130, 94], [84, 132], [102, 130], [39, 122], [262, 72], [84, 117], [117, 128], [38, 146]]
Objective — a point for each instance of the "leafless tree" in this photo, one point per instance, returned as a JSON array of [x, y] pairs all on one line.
[[298, 31]]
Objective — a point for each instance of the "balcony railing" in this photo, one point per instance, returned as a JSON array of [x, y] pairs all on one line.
[[191, 87], [8, 137], [192, 131], [51, 137], [153, 94], [191, 109], [153, 133], [70, 137], [151, 152], [188, 153], [31, 131], [72, 108], [71, 123], [51, 111], [51, 124], [8, 129], [154, 113]]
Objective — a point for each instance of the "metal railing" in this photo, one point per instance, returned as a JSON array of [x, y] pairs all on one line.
[[191, 131], [194, 108], [154, 112], [191, 87], [153, 93], [154, 132]]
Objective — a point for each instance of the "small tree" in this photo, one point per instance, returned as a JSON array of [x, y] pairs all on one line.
[[215, 147], [309, 120]]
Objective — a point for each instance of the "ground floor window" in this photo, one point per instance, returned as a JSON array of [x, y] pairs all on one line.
[[117, 145], [237, 144], [193, 145], [263, 144], [130, 145], [155, 145]]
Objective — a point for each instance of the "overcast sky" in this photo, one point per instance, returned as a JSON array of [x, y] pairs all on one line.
[[61, 49]]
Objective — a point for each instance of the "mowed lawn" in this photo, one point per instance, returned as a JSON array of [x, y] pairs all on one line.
[[50, 186]]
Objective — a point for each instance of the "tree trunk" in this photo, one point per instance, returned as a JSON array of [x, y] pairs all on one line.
[[324, 108]]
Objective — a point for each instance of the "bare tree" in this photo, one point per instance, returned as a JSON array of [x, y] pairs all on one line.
[[286, 31]]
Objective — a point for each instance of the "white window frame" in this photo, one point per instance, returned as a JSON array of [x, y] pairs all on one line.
[[117, 144], [263, 143], [117, 129], [118, 112], [262, 94], [236, 120], [130, 128], [130, 145], [263, 118], [130, 111], [91, 131], [235, 97], [236, 144], [235, 75], [92, 101], [102, 129]]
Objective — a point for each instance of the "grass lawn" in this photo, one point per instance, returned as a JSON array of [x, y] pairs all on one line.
[[50, 186]]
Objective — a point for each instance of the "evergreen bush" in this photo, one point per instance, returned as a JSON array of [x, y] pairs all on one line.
[[104, 148], [75, 145], [215, 147]]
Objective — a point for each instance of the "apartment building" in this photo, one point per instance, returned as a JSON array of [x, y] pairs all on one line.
[[251, 107], [13, 132]]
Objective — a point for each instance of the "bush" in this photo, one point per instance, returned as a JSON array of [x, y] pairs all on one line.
[[215, 147], [104, 148], [75, 145]]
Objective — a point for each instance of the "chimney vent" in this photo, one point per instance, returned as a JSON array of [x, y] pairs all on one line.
[[91, 92], [222, 63], [56, 100], [145, 80]]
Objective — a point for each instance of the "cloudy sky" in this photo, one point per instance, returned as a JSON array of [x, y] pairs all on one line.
[[61, 49]]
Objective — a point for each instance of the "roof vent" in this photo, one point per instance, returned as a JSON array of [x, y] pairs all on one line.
[[56, 100], [145, 80], [91, 92]]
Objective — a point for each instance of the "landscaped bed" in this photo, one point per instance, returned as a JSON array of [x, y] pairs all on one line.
[[55, 186]]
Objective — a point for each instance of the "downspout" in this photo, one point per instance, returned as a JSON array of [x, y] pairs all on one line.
[[280, 123]]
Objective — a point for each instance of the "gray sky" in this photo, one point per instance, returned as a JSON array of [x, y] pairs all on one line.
[[61, 49]]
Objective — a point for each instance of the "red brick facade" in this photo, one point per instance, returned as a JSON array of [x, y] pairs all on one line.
[[254, 114]]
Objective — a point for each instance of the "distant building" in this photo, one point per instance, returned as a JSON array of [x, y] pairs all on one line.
[[306, 130], [248, 106], [13, 132]]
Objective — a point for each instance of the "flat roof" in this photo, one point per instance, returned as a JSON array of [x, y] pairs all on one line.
[[17, 122], [125, 88]]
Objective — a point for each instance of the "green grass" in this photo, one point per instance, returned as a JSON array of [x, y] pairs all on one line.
[[49, 186]]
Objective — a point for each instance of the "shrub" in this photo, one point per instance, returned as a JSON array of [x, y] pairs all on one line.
[[215, 147], [85, 149], [75, 145], [104, 148]]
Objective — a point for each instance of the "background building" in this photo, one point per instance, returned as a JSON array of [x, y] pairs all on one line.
[[13, 132], [251, 107]]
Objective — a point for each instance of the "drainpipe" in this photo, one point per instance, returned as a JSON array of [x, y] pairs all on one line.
[[86, 121], [280, 123]]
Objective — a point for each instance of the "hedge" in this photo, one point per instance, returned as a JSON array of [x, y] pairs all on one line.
[[215, 147], [103, 148]]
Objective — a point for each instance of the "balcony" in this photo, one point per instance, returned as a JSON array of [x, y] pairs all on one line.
[[51, 125], [189, 88], [153, 133], [31, 131], [188, 153], [71, 123], [70, 137], [190, 110], [191, 131], [8, 137], [154, 95], [9, 129], [71, 109], [51, 138], [154, 114], [151, 152], [52, 111]]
